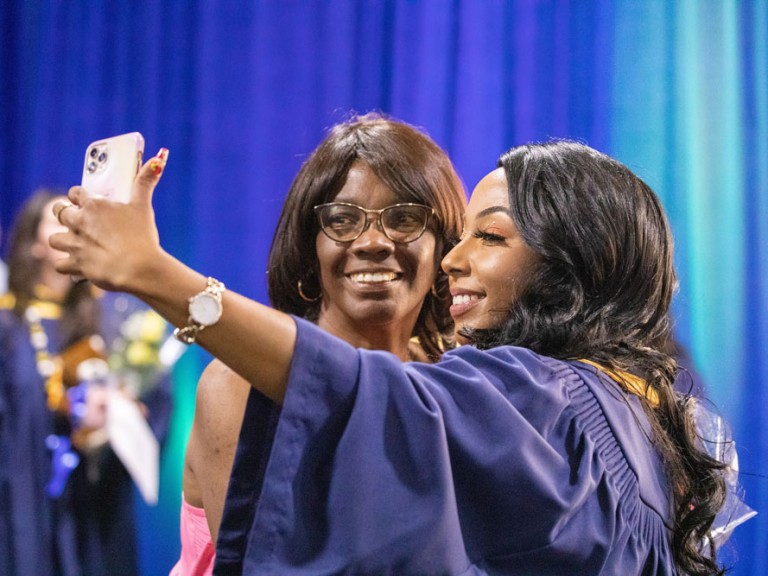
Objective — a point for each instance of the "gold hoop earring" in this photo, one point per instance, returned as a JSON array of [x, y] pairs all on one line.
[[305, 297]]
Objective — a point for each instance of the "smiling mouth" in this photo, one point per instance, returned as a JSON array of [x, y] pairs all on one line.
[[464, 302], [373, 277], [460, 299]]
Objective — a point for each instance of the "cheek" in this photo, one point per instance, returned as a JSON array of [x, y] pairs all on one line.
[[507, 280], [49, 225], [426, 267], [427, 257], [327, 252]]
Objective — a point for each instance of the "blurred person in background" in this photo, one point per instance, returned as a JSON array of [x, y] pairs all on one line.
[[67, 500]]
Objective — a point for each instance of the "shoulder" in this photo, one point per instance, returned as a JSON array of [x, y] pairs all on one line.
[[522, 373], [538, 386], [11, 327], [7, 316], [522, 364], [218, 378], [561, 400]]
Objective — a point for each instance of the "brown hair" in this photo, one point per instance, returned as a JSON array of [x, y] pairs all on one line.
[[80, 311], [413, 166]]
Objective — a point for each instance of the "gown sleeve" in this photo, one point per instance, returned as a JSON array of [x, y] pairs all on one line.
[[245, 482], [480, 463]]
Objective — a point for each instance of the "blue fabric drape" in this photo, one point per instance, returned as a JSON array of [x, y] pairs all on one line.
[[240, 92]]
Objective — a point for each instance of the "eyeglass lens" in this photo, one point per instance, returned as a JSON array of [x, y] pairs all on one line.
[[400, 223]]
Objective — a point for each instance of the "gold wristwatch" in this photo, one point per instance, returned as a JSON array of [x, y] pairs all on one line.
[[204, 310]]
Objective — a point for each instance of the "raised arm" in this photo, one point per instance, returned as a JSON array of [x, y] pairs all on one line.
[[117, 247]]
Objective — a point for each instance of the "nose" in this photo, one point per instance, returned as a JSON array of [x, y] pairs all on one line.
[[455, 262], [373, 240]]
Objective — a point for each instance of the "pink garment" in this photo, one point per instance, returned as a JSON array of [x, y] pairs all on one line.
[[197, 549]]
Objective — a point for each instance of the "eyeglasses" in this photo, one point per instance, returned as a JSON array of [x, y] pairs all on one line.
[[401, 223]]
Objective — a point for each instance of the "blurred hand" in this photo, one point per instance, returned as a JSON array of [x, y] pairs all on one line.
[[95, 407]]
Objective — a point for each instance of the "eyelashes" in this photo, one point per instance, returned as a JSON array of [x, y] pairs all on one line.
[[488, 237], [482, 235]]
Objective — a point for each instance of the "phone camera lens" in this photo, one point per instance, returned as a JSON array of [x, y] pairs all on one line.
[[91, 167], [102, 157], [93, 153]]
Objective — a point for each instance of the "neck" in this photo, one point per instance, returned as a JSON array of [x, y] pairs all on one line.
[[389, 337]]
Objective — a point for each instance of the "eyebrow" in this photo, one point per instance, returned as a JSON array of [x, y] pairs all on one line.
[[492, 210]]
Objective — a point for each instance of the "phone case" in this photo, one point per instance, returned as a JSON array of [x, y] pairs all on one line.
[[111, 165]]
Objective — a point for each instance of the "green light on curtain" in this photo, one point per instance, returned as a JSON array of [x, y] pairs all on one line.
[[710, 103], [677, 121]]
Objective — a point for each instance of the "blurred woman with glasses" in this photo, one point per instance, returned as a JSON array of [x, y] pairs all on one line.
[[357, 250]]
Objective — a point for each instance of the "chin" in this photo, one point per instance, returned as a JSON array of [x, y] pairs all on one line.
[[458, 338], [375, 311]]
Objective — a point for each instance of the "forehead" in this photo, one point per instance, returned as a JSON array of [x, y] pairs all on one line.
[[364, 188], [490, 191]]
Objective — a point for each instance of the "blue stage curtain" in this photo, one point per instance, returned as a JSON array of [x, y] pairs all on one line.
[[240, 92]]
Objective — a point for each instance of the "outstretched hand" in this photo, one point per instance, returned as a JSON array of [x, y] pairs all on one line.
[[112, 244], [116, 246]]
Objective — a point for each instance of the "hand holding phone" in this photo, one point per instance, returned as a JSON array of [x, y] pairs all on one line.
[[111, 165]]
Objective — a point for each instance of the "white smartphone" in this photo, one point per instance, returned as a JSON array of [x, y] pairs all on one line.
[[111, 165]]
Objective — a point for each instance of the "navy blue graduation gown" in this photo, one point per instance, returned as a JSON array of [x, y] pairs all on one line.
[[496, 462], [26, 514], [91, 528]]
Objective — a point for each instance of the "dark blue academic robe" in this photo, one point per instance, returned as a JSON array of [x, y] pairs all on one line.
[[101, 495], [91, 528], [26, 529], [496, 462]]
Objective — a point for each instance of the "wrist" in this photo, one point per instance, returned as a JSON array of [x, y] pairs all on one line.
[[205, 309], [152, 277]]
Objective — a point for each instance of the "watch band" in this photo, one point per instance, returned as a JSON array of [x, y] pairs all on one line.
[[188, 334]]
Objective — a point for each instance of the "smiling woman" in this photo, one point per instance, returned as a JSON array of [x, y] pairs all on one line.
[[357, 250], [576, 264], [371, 280], [491, 264], [372, 164]]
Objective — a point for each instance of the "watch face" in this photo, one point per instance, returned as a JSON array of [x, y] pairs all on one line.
[[205, 309]]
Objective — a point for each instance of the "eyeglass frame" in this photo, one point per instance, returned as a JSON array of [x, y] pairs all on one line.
[[379, 224]]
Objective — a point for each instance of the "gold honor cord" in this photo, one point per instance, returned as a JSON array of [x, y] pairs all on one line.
[[629, 382]]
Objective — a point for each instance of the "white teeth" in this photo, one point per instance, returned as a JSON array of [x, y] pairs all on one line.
[[368, 277], [464, 299]]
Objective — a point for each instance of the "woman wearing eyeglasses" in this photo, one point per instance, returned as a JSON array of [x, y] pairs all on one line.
[[551, 443], [356, 250]]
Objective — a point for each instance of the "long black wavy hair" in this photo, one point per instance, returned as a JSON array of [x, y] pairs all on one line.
[[601, 290]]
